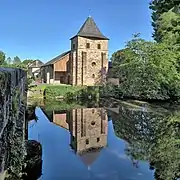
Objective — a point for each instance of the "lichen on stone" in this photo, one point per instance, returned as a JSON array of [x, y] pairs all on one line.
[[12, 115], [3, 82]]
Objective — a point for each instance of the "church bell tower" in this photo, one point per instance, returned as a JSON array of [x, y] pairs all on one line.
[[89, 55]]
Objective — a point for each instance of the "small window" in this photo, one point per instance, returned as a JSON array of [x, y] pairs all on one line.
[[99, 46], [93, 123], [93, 64], [88, 45], [93, 76], [87, 141], [98, 139], [74, 46], [93, 111]]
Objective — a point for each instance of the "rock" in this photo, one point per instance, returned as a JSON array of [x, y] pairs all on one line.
[[34, 153]]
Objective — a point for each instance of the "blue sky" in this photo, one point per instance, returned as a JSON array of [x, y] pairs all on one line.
[[41, 29]]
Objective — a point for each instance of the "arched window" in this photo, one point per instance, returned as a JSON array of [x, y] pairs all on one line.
[[93, 123], [87, 141], [88, 45], [93, 76], [99, 46], [93, 64]]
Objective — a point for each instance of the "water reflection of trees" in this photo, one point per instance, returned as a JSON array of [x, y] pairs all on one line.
[[151, 136]]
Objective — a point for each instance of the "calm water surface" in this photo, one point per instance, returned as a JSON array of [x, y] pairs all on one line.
[[93, 143]]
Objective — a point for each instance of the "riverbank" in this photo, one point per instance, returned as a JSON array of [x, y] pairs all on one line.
[[70, 93], [60, 92], [48, 91]]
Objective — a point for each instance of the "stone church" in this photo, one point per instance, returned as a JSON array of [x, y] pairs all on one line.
[[85, 64]]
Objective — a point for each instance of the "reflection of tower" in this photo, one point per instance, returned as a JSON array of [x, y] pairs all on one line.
[[88, 129]]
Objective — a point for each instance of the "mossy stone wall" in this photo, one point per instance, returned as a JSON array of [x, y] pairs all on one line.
[[12, 119]]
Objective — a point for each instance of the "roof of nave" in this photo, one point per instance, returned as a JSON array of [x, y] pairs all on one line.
[[57, 58]]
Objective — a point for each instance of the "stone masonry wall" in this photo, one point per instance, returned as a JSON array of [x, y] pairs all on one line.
[[12, 120], [73, 60], [89, 125], [85, 70]]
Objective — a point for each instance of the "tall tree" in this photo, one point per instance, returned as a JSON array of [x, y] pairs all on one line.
[[148, 71], [120, 57], [169, 28], [27, 61], [9, 60], [2, 58], [16, 60], [158, 8]]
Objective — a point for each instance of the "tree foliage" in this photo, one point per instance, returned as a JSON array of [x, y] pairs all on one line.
[[159, 8], [27, 61], [9, 60], [149, 70], [120, 57], [2, 58], [169, 28], [16, 60]]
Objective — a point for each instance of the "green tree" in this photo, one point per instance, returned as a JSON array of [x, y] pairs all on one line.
[[148, 71], [9, 61], [169, 28], [16, 60], [27, 61], [120, 57], [2, 58], [159, 7]]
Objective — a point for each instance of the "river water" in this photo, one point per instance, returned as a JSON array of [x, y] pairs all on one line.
[[111, 143]]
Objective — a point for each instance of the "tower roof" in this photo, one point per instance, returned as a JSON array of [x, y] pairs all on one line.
[[88, 158], [90, 29]]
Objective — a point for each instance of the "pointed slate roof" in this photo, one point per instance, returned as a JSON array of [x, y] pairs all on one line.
[[90, 29]]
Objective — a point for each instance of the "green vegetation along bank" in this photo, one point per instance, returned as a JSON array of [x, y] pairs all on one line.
[[67, 92]]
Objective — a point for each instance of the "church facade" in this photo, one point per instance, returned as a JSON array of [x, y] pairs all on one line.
[[85, 64]]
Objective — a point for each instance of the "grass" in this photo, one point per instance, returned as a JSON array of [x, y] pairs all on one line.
[[68, 92], [60, 90], [44, 86]]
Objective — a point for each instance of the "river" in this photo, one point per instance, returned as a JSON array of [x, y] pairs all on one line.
[[128, 141]]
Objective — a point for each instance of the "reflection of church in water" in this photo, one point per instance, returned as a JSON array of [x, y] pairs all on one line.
[[88, 129]]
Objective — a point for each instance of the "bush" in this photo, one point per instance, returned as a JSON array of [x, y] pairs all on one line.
[[110, 90], [85, 94], [148, 71]]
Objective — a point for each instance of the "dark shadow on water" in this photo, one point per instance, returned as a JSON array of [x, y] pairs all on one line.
[[34, 173]]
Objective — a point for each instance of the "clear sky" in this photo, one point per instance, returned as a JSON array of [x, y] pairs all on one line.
[[41, 29]]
